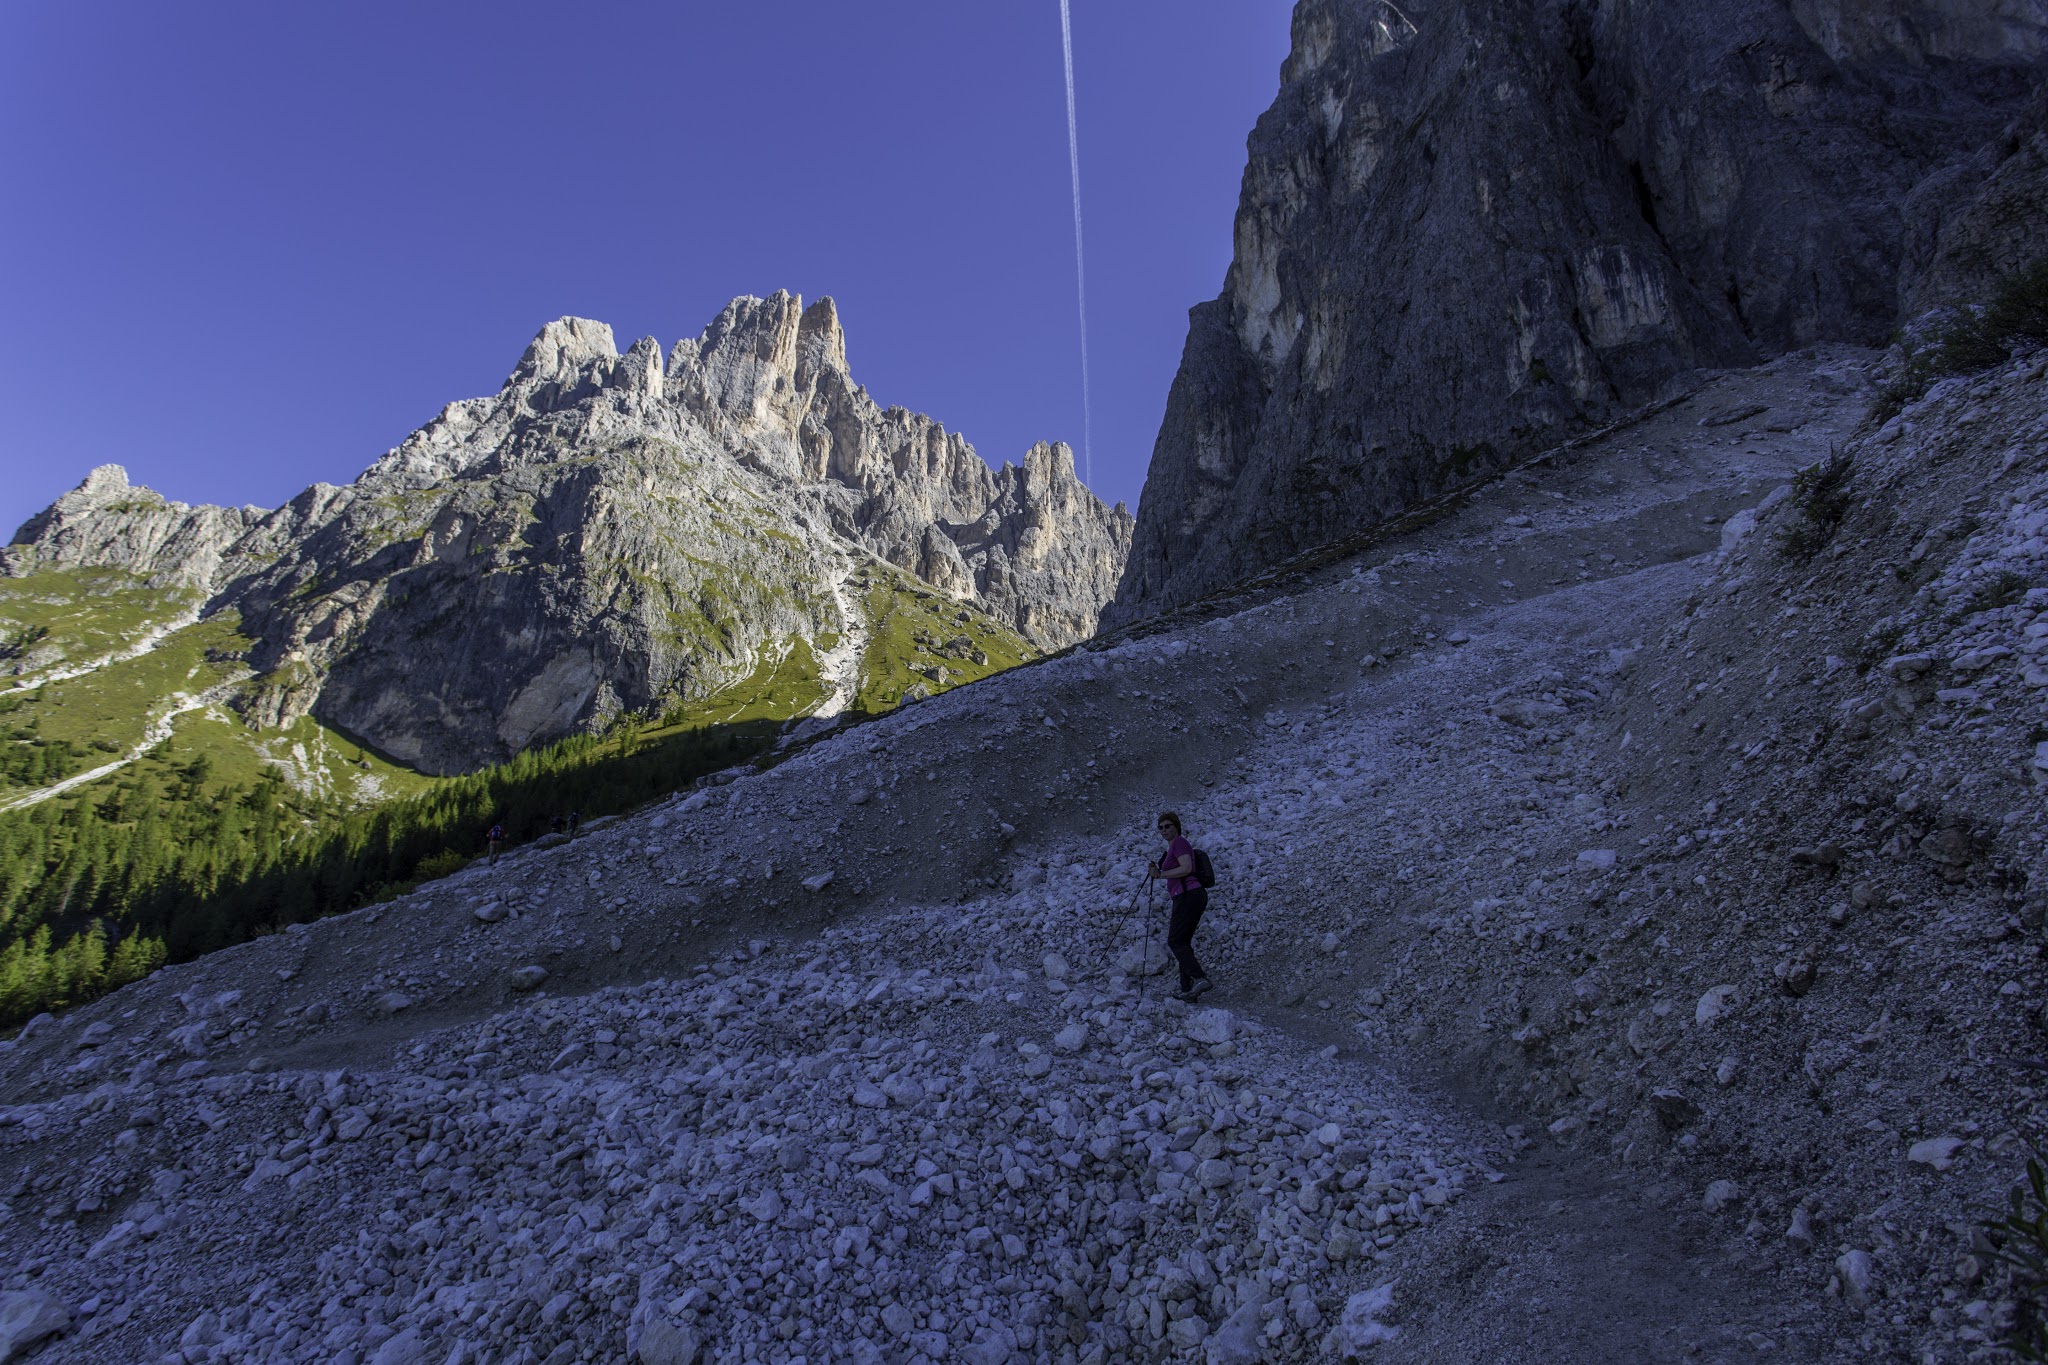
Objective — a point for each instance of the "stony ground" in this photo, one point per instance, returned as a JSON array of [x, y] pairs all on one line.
[[1628, 949]]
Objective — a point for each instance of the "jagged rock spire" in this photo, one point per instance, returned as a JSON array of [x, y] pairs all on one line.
[[605, 531]]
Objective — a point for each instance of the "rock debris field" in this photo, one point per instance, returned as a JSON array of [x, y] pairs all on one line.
[[1625, 925], [825, 1155]]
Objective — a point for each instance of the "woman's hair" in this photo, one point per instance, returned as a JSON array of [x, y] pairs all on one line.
[[1170, 817]]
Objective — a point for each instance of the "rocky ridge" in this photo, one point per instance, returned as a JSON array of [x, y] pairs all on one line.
[[1528, 850], [607, 533], [1468, 230]]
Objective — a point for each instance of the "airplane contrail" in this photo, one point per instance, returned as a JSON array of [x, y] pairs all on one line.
[[1080, 272]]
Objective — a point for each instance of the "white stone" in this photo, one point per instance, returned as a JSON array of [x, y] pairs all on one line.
[[1236, 1342], [1359, 1328], [26, 1317], [1971, 661], [663, 1343], [1715, 1004], [94, 1034], [1854, 1268], [1938, 1152], [404, 1349], [1736, 528], [1144, 959], [903, 1092]]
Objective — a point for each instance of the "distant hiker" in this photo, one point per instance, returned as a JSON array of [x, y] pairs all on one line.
[[1190, 899], [493, 839], [575, 822], [555, 823]]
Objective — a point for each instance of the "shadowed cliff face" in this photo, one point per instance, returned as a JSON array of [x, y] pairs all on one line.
[[607, 532], [1470, 228]]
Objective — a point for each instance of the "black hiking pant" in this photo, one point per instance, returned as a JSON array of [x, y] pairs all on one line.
[[1180, 932]]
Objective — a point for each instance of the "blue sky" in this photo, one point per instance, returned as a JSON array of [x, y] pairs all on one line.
[[252, 245]]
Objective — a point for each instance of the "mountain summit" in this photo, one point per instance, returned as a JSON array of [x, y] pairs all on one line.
[[615, 533]]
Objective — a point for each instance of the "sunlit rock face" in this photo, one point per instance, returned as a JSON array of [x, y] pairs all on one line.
[[609, 532], [1468, 229]]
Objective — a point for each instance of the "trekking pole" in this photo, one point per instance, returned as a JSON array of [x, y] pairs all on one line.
[[1121, 927], [1145, 945]]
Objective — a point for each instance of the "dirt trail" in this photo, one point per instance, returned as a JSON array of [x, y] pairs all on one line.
[[154, 733], [134, 649]]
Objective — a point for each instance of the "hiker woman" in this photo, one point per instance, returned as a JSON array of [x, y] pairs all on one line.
[[1189, 901]]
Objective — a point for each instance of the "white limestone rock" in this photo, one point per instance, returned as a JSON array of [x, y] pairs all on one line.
[[27, 1317]]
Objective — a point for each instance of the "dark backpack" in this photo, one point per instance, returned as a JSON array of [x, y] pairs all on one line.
[[1205, 871]]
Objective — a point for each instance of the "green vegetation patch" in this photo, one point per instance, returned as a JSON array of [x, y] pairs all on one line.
[[783, 687], [2018, 1236], [222, 833], [921, 642], [78, 615], [106, 712], [188, 851], [1820, 501], [325, 771]]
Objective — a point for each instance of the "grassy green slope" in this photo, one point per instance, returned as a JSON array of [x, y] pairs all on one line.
[[107, 711], [221, 831], [64, 621], [783, 687], [61, 617], [921, 642]]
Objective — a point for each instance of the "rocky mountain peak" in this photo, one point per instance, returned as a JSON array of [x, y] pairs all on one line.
[[608, 533], [1048, 486], [105, 486], [761, 360], [105, 481], [640, 369], [1050, 463], [821, 342], [566, 348], [107, 520]]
